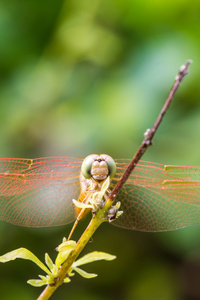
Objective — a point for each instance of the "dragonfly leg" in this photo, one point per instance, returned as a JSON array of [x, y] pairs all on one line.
[[79, 217], [84, 198]]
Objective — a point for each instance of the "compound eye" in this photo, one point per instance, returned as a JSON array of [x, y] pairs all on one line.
[[111, 166], [86, 166]]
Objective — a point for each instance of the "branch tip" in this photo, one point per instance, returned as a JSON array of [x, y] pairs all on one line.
[[184, 68]]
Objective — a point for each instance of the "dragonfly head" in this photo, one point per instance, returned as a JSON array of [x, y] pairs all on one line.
[[98, 167]]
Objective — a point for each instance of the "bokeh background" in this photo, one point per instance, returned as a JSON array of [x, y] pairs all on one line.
[[82, 77]]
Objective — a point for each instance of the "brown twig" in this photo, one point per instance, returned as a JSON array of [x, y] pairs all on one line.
[[149, 134]]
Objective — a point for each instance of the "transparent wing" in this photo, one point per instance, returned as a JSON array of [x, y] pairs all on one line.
[[39, 192], [158, 197]]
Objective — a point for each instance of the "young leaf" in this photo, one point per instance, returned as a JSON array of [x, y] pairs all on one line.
[[36, 282], [49, 262], [64, 249], [24, 254], [93, 256], [65, 245], [61, 257], [81, 204], [85, 274]]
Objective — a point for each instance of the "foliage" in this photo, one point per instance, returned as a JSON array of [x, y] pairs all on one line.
[[64, 249]]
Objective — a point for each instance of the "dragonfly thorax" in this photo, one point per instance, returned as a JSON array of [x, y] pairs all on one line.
[[98, 167]]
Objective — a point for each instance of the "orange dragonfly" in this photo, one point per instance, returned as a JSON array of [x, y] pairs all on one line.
[[39, 192]]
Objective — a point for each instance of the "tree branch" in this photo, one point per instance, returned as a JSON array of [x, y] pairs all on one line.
[[149, 134]]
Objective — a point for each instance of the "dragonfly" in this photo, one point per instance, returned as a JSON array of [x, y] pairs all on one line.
[[156, 197]]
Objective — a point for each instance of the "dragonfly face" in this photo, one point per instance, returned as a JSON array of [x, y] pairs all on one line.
[[98, 167], [39, 192]]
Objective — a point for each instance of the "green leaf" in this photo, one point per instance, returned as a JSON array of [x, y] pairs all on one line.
[[24, 254], [64, 249], [99, 195], [85, 274], [54, 270], [93, 256], [81, 204], [65, 245], [36, 282], [119, 213], [44, 278], [105, 185], [49, 262], [61, 257]]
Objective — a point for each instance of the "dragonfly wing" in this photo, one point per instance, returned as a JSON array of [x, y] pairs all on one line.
[[156, 199], [39, 192], [182, 183]]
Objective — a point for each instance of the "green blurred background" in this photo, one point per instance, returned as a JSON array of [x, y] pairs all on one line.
[[82, 77]]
